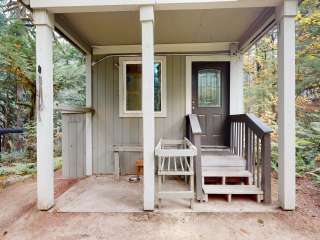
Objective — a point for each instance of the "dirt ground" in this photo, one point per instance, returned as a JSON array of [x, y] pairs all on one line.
[[19, 219]]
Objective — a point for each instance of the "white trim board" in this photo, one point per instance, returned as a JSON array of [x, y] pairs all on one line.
[[189, 60], [122, 87], [66, 6], [164, 48]]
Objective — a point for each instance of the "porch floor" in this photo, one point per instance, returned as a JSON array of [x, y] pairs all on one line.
[[102, 194]]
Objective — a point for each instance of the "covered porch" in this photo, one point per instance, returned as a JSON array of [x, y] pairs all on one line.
[[174, 36], [100, 194]]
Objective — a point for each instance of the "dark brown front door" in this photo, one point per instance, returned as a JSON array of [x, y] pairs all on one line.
[[210, 100]]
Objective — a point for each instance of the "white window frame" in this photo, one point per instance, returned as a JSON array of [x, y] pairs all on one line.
[[123, 61]]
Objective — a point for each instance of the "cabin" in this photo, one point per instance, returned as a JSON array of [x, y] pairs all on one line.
[[164, 84]]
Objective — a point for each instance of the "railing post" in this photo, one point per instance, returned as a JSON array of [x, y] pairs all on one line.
[[197, 143], [246, 146], [266, 167]]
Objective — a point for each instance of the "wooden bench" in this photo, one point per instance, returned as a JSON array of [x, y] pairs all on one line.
[[122, 148]]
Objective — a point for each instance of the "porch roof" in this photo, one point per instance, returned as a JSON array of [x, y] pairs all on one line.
[[178, 26], [113, 23]]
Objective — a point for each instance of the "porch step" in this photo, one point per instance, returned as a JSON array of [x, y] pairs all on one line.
[[230, 190], [222, 161], [213, 148], [226, 173]]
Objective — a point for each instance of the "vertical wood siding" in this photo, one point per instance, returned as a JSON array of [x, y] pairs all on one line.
[[73, 145], [109, 129]]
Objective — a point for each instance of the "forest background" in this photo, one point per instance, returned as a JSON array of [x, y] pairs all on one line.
[[18, 87]]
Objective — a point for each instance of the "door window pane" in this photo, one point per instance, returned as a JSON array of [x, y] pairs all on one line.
[[134, 87], [209, 88]]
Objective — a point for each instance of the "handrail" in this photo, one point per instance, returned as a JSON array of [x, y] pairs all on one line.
[[74, 109], [194, 124], [194, 135], [251, 139], [260, 127]]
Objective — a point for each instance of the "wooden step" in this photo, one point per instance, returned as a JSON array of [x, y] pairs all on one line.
[[232, 189], [211, 148], [222, 161], [214, 147], [225, 173]]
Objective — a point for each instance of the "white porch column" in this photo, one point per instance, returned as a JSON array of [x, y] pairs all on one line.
[[45, 179], [147, 18], [236, 85], [88, 117], [286, 109]]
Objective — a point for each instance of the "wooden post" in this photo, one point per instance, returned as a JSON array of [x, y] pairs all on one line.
[[236, 85], [88, 117], [147, 18], [266, 168], [286, 110], [116, 166], [44, 36], [246, 147], [197, 164]]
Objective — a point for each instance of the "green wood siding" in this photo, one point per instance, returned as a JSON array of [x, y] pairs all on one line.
[[109, 129]]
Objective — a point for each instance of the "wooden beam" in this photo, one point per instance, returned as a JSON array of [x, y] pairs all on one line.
[[147, 19], [67, 32], [44, 59], [286, 110], [264, 23], [163, 48]]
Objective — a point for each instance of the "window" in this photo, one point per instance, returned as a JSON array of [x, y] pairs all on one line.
[[130, 87], [209, 88]]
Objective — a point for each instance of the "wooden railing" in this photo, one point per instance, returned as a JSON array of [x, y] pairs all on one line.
[[251, 139], [194, 135]]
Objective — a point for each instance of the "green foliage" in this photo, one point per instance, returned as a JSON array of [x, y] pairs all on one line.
[[308, 46], [18, 82], [25, 168], [261, 86]]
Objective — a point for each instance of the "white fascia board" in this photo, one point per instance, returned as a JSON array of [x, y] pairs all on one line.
[[89, 5], [163, 48], [86, 3], [213, 4], [71, 35], [129, 5]]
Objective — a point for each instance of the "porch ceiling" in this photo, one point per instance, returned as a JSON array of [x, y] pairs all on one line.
[[175, 26]]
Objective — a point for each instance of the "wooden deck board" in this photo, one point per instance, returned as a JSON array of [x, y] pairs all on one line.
[[225, 173], [231, 189], [222, 161]]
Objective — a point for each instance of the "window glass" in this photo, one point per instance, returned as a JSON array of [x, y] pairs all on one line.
[[157, 87], [134, 75], [209, 88], [134, 86]]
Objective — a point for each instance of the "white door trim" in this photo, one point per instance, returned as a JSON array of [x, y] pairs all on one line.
[[189, 60]]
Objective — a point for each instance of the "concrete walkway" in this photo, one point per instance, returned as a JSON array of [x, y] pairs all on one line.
[[101, 194], [33, 224], [184, 226]]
